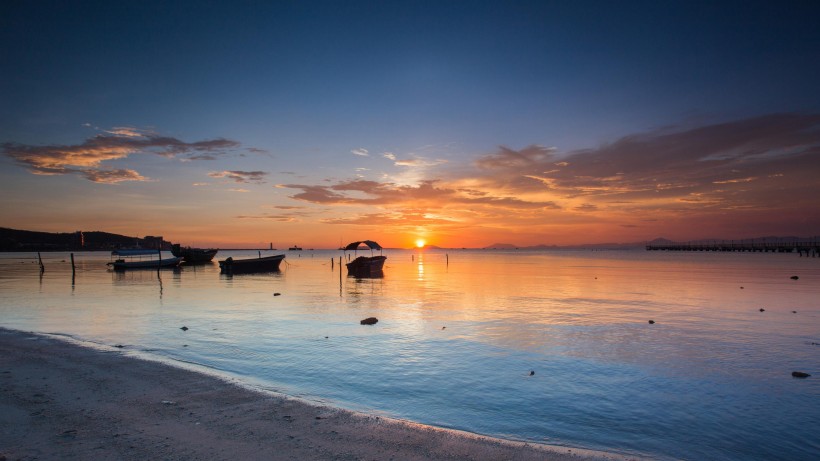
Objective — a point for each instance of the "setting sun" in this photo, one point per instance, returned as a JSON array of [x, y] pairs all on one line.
[[420, 243]]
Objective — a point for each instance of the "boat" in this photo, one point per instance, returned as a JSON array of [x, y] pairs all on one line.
[[141, 258], [365, 266], [194, 255], [295, 248], [232, 266]]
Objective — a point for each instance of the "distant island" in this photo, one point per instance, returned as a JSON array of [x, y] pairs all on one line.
[[23, 240]]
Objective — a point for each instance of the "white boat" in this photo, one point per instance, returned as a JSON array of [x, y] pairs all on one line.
[[141, 258]]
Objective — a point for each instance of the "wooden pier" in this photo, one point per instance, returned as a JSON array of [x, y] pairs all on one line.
[[808, 249]]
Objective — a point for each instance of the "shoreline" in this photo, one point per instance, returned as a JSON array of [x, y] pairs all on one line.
[[59, 400]]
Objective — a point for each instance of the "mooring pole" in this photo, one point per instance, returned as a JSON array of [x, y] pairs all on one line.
[[40, 258], [73, 269]]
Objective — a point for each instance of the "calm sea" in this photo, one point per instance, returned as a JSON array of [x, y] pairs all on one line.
[[551, 347]]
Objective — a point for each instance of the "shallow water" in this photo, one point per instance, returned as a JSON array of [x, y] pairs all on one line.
[[461, 332]]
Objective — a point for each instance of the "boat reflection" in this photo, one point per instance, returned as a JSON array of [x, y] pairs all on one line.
[[376, 274]]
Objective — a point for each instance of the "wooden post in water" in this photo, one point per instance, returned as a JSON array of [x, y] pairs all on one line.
[[332, 262], [40, 259], [447, 258], [73, 269]]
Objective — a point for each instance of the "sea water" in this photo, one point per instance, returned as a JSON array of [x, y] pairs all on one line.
[[546, 346]]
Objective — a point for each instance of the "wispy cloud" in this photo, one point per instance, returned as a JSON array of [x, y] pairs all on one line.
[[364, 192], [112, 176], [88, 158], [362, 152], [416, 162], [241, 176], [271, 217]]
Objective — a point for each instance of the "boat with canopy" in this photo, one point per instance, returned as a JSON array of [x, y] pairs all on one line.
[[365, 266]]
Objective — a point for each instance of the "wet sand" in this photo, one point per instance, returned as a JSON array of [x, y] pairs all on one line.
[[59, 400]]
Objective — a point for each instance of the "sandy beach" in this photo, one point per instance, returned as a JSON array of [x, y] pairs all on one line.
[[59, 400]]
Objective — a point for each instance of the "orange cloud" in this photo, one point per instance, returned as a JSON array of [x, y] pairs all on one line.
[[86, 159], [364, 192]]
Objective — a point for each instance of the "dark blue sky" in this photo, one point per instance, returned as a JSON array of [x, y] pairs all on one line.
[[441, 83]]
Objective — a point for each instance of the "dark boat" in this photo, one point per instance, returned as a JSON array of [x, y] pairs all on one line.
[[365, 266], [136, 259], [232, 266], [194, 255]]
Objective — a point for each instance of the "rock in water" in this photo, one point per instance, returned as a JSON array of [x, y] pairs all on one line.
[[369, 321], [794, 277], [184, 328], [651, 322], [800, 374]]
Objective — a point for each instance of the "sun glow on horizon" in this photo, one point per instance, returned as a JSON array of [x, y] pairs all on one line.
[[420, 243]]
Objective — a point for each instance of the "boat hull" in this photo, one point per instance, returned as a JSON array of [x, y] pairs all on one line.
[[121, 265], [232, 266], [366, 266], [194, 255]]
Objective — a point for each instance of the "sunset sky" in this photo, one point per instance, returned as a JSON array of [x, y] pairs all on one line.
[[238, 124]]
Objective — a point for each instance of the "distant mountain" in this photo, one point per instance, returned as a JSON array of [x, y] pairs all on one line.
[[641, 245], [501, 246], [24, 240], [590, 246]]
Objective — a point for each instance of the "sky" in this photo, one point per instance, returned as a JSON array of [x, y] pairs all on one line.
[[461, 123]]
